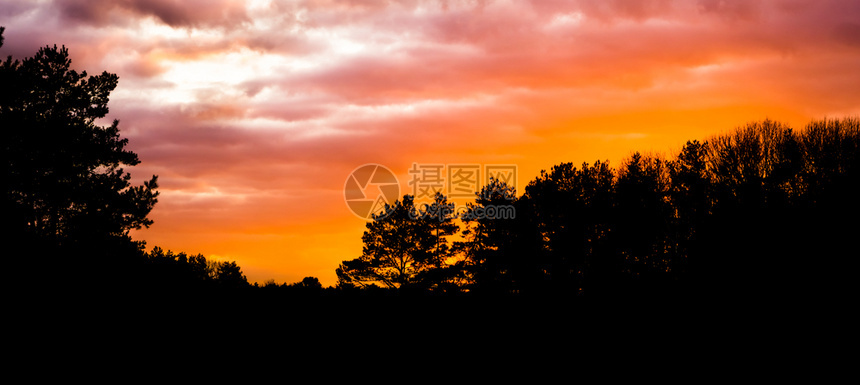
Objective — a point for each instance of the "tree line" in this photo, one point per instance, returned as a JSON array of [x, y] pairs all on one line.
[[765, 209], [68, 204]]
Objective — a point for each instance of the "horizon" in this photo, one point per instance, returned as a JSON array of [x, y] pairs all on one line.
[[254, 114]]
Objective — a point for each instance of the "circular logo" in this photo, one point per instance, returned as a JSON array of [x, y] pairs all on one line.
[[369, 188]]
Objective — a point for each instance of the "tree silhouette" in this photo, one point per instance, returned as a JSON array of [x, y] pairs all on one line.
[[642, 220], [568, 210], [170, 272], [229, 275], [690, 197], [66, 191], [491, 243], [754, 213], [310, 283], [404, 248], [756, 204]]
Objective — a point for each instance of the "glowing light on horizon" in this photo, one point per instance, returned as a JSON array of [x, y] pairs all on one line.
[[284, 98]]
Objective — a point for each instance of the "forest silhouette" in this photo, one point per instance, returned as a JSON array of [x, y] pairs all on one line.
[[763, 211]]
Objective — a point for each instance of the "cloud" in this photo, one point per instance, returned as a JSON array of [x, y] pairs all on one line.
[[175, 13], [253, 113]]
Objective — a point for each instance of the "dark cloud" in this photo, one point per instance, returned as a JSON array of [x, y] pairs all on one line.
[[175, 13], [848, 33]]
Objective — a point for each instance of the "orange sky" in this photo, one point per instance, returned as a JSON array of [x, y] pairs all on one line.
[[253, 113]]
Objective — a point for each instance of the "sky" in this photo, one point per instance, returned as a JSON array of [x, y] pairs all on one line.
[[254, 114]]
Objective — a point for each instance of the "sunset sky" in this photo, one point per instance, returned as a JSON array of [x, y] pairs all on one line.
[[254, 113]]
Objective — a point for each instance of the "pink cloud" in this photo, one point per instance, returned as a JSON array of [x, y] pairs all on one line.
[[176, 13], [353, 82]]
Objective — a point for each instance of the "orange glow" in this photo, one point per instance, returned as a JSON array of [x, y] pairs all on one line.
[[254, 113]]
